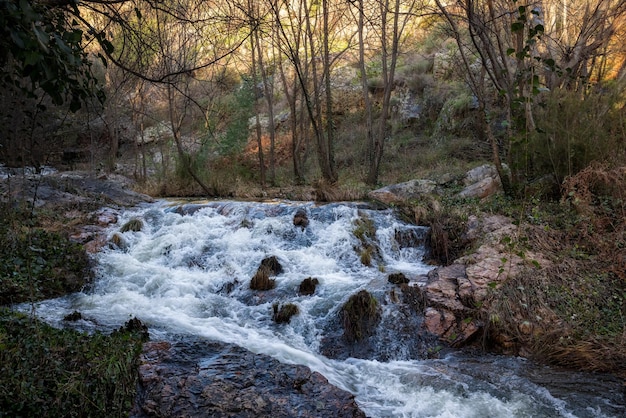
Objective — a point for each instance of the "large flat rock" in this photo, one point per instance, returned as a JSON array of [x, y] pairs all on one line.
[[200, 378]]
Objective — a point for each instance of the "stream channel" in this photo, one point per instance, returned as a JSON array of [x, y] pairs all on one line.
[[188, 271]]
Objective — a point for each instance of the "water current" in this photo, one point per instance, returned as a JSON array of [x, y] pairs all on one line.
[[188, 271]]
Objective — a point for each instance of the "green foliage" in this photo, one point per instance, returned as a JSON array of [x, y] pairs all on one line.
[[41, 50], [50, 372], [36, 264], [239, 106], [575, 130]]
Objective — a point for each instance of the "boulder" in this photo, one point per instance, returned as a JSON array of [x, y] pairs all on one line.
[[481, 182], [397, 278], [402, 192], [301, 219], [201, 378], [456, 295], [269, 267], [307, 287]]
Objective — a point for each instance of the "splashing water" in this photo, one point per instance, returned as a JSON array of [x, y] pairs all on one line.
[[188, 271]]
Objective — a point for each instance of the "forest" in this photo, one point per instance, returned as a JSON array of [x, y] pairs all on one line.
[[329, 100], [305, 92]]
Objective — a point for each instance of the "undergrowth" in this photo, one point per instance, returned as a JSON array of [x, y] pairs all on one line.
[[571, 312], [36, 263], [47, 372]]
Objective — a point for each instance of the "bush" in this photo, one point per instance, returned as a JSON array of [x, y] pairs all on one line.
[[574, 131]]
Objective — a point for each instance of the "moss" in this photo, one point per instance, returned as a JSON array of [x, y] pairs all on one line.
[[36, 264], [365, 231], [360, 315], [283, 313], [134, 225]]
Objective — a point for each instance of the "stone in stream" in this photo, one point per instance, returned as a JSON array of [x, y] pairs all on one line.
[[397, 278], [201, 378], [307, 287], [269, 267], [283, 313], [360, 316], [301, 219]]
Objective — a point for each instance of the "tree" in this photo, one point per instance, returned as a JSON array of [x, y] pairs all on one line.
[[511, 52], [42, 52], [317, 23]]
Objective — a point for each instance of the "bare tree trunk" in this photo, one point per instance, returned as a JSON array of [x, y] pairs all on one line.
[[367, 102], [389, 59], [257, 125], [268, 92], [175, 124]]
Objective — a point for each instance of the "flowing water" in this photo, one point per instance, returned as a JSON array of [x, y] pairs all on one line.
[[187, 272]]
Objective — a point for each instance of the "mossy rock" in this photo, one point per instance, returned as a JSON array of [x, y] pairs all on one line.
[[262, 280], [308, 285], [397, 278], [360, 316], [117, 241], [283, 314], [272, 265], [134, 225]]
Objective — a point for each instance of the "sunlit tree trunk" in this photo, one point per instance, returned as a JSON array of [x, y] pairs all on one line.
[[257, 124]]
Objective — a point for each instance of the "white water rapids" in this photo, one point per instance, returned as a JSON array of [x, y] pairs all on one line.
[[187, 272]]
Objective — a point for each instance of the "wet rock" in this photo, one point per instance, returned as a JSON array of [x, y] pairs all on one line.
[[269, 267], [397, 278], [261, 280], [360, 315], [308, 286], [74, 316], [209, 379], [410, 238], [273, 266], [117, 241], [414, 297], [301, 219], [283, 313], [396, 331], [133, 225]]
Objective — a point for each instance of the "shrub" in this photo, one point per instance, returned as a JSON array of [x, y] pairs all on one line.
[[573, 132]]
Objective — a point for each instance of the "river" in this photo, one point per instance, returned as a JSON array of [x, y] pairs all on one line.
[[187, 272]]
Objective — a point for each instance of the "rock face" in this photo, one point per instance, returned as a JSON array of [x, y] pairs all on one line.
[[209, 379], [456, 294]]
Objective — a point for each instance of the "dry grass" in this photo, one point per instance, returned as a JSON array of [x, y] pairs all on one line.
[[572, 313]]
